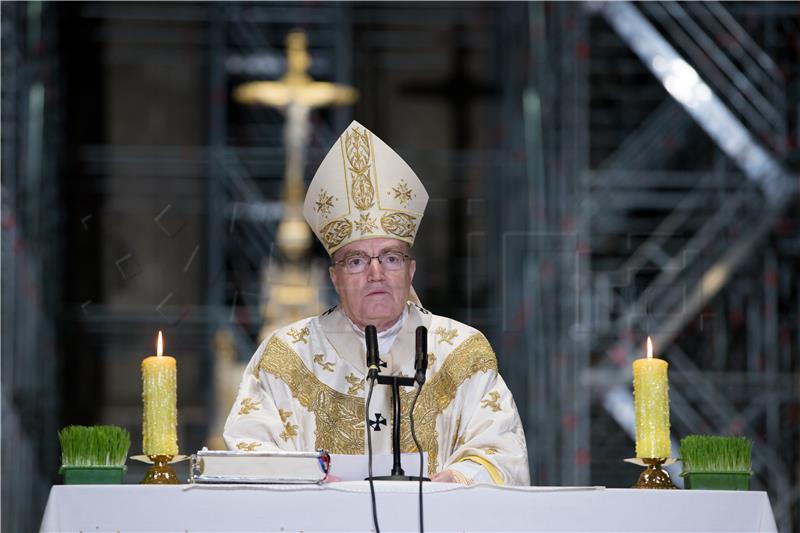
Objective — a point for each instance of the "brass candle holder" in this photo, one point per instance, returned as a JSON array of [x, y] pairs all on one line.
[[161, 473], [653, 476]]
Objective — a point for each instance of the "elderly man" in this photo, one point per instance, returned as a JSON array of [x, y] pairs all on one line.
[[304, 388]]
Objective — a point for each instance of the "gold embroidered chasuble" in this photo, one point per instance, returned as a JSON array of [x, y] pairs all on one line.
[[304, 389]]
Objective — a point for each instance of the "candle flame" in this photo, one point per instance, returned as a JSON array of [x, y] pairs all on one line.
[[649, 347], [160, 345]]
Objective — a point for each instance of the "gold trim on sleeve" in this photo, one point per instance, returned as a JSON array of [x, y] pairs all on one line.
[[339, 417], [497, 478], [460, 478]]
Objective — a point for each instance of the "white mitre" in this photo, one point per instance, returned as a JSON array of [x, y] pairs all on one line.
[[363, 189]]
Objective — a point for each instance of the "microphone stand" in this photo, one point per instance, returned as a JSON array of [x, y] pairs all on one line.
[[397, 470], [373, 375]]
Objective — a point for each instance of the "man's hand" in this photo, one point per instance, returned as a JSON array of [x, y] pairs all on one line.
[[332, 479], [451, 476]]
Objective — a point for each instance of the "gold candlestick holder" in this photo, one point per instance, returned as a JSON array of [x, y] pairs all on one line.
[[161, 471], [653, 476]]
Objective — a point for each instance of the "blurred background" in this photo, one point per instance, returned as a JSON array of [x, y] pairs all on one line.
[[598, 173]]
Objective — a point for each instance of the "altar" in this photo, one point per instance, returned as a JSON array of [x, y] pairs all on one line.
[[345, 506]]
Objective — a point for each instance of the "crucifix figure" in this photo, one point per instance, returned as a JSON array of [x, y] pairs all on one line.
[[296, 93], [289, 285]]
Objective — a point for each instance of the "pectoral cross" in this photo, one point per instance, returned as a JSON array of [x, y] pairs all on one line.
[[376, 424]]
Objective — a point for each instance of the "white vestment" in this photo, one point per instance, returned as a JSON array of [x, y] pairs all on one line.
[[304, 389]]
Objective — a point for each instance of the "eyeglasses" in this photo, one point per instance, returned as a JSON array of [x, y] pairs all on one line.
[[358, 263]]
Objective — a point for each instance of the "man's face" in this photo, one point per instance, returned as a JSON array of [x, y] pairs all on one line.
[[376, 295]]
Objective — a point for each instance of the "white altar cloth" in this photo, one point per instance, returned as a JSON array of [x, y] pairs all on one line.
[[345, 506]]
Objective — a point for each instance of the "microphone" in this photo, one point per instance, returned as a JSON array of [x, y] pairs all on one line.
[[421, 355], [371, 334]]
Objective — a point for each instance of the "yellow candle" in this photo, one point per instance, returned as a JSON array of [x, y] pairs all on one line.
[[160, 393], [651, 398]]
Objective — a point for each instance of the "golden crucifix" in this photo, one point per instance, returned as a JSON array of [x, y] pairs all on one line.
[[292, 287], [297, 93]]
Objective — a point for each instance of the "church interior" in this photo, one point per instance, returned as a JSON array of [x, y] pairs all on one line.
[[598, 173]]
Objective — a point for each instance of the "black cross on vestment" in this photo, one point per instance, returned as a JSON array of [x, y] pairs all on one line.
[[376, 424]]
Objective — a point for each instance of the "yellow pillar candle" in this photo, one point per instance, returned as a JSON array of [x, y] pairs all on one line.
[[160, 393], [651, 398]]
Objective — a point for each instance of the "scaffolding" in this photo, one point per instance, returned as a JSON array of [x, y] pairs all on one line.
[[31, 252], [661, 195]]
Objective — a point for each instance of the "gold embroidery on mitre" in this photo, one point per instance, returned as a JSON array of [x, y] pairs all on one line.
[[284, 415], [334, 233], [319, 359], [491, 451], [339, 417], [248, 405], [289, 431], [446, 335], [324, 203], [248, 446], [473, 355], [299, 336], [399, 224], [365, 224], [431, 359], [402, 193], [356, 383], [359, 155], [492, 402]]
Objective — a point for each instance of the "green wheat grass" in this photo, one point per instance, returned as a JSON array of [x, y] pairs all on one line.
[[94, 445], [703, 453]]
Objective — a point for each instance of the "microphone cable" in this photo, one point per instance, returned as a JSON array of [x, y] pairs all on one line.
[[369, 459], [419, 449]]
